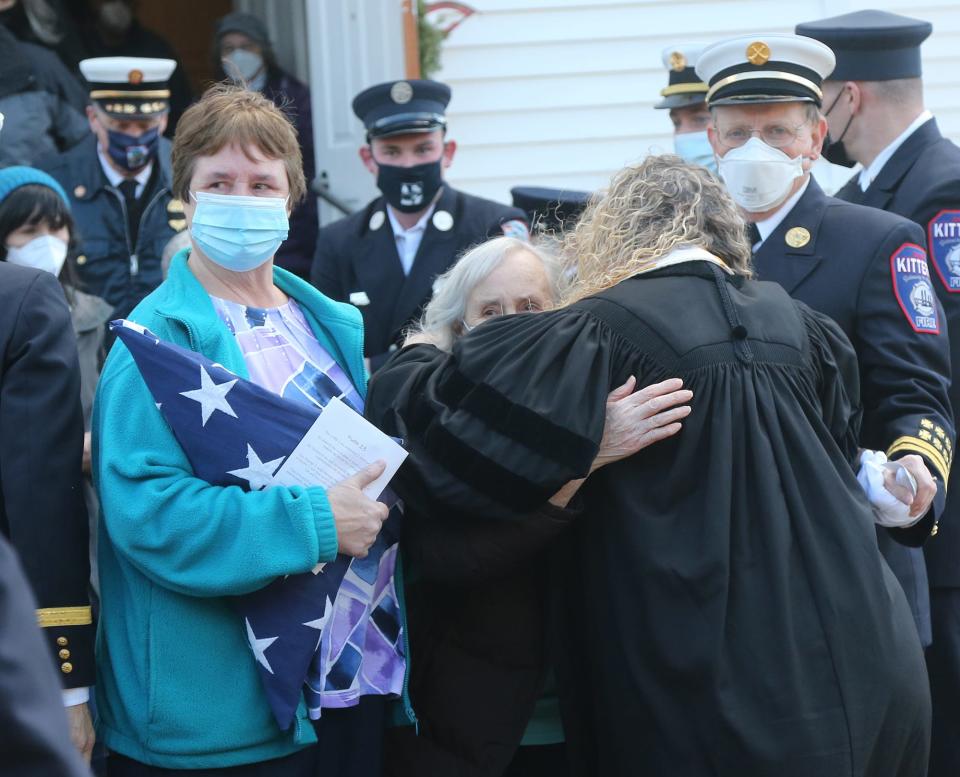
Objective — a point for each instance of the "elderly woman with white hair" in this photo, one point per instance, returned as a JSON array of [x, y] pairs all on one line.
[[500, 277], [481, 680], [725, 608]]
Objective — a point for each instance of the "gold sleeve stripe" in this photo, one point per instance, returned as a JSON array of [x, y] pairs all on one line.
[[64, 616], [922, 447]]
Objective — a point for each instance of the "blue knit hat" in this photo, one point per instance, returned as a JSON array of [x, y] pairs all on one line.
[[14, 177]]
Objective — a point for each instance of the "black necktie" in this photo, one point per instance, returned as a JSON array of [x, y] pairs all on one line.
[[753, 234], [128, 188]]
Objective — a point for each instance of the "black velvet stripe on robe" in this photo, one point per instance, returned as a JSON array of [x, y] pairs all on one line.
[[727, 612]]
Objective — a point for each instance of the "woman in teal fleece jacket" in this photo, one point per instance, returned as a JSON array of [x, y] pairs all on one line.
[[177, 685]]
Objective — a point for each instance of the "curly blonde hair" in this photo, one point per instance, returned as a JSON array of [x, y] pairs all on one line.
[[648, 210]]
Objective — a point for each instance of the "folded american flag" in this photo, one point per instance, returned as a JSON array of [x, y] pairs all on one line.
[[332, 634]]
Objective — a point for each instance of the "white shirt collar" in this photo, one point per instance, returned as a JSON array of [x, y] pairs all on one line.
[[420, 226], [408, 240], [770, 223], [116, 178], [869, 174]]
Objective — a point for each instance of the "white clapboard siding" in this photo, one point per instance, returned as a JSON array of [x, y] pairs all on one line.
[[561, 92]]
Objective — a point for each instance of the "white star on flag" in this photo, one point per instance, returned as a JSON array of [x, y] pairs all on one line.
[[320, 622], [211, 396], [257, 473], [259, 646]]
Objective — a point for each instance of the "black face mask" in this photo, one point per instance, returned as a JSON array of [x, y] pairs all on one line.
[[834, 150], [410, 189]]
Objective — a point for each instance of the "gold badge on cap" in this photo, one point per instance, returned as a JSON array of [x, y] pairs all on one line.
[[677, 61], [401, 92], [376, 220], [135, 76], [758, 53], [443, 221], [797, 237]]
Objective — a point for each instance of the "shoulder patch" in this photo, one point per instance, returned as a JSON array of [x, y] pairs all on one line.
[[913, 290], [943, 239], [516, 228]]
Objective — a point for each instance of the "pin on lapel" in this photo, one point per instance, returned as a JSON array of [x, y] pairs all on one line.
[[797, 237], [443, 221], [376, 220]]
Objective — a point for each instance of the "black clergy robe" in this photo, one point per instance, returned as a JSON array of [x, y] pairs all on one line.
[[725, 610]]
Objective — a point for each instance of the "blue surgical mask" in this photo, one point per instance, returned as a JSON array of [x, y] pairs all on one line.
[[695, 148], [133, 152], [239, 233]]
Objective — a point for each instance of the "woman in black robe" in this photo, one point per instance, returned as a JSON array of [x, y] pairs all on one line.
[[726, 610]]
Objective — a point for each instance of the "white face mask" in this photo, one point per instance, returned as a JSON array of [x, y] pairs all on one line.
[[241, 64], [759, 176], [44, 253]]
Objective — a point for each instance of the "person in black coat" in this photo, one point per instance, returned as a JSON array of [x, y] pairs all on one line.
[[385, 258], [477, 590], [877, 118], [243, 52], [725, 610], [42, 511], [41, 102], [877, 286], [35, 741]]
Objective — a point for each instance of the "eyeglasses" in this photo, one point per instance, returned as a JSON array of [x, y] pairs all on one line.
[[774, 135]]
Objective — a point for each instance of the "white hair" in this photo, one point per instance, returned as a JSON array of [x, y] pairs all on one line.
[[442, 318]]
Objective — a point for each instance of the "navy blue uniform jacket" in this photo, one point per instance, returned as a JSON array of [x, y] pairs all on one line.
[[921, 181], [110, 265], [358, 256], [867, 270], [42, 509]]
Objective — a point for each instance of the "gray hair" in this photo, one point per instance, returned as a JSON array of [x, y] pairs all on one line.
[[442, 318]]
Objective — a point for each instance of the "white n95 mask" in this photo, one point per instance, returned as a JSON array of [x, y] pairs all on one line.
[[759, 176], [43, 253]]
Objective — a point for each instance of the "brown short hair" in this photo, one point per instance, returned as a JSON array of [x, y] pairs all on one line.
[[228, 114]]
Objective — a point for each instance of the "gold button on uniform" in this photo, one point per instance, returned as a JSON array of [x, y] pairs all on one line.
[[62, 641], [66, 667], [79, 190], [64, 654], [934, 530], [82, 259], [797, 237]]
